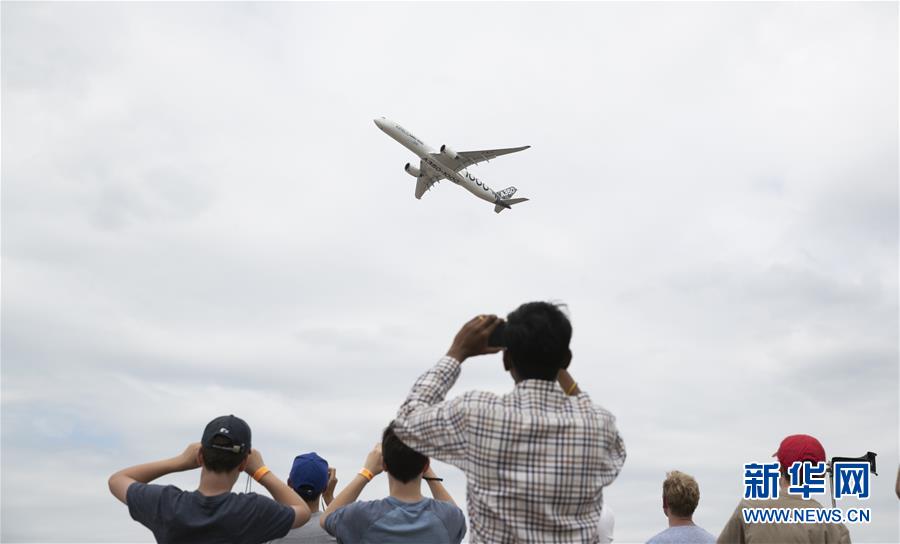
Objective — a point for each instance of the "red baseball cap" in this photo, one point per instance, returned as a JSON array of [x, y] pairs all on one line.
[[799, 447]]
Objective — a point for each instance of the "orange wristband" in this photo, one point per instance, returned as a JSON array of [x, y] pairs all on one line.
[[260, 472], [366, 473]]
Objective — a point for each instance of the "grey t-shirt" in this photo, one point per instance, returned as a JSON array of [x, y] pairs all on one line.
[[308, 533], [683, 534], [392, 521], [176, 516]]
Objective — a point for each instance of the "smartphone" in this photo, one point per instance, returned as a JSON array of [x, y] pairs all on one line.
[[497, 339]]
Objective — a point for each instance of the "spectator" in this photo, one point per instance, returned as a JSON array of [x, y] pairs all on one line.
[[212, 513], [681, 494], [311, 478], [405, 515], [536, 460], [798, 447]]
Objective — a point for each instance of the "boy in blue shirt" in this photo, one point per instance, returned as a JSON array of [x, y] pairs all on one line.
[[405, 515]]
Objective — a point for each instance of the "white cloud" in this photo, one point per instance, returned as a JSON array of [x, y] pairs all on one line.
[[199, 217]]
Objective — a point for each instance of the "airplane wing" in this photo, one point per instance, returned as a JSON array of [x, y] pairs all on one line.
[[465, 159], [428, 176]]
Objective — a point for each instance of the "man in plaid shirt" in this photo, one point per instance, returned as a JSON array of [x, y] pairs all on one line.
[[536, 459]]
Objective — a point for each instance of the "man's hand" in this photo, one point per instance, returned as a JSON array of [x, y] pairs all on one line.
[[254, 462], [471, 340], [374, 462], [437, 489], [328, 494], [190, 457]]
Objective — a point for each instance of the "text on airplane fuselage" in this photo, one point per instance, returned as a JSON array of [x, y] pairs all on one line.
[[404, 131], [451, 176]]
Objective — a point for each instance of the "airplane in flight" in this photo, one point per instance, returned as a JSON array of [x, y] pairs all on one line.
[[451, 165]]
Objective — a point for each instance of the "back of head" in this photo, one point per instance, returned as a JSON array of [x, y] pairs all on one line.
[[225, 443], [537, 339], [799, 448], [681, 493], [401, 461], [309, 476]]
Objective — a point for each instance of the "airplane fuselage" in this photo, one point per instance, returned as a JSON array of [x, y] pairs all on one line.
[[435, 160]]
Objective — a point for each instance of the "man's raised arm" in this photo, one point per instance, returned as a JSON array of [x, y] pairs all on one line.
[[279, 490], [372, 466], [425, 421], [120, 481], [438, 491]]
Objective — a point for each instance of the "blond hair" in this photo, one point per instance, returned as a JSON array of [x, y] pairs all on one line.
[[682, 493]]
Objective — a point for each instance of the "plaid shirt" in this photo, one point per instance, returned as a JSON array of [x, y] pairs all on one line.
[[535, 459]]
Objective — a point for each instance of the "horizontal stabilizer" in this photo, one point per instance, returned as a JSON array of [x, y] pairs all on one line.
[[507, 203]]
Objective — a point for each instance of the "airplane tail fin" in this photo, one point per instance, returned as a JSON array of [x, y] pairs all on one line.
[[507, 203]]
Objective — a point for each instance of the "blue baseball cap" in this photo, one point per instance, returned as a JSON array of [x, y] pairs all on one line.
[[309, 475]]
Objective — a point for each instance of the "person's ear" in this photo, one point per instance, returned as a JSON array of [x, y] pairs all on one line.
[[243, 464], [200, 457], [507, 362], [567, 359], [427, 466]]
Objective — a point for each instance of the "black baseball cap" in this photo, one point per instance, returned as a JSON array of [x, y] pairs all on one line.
[[231, 427]]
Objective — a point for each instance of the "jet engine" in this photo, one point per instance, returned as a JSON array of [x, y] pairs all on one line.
[[412, 170], [449, 153]]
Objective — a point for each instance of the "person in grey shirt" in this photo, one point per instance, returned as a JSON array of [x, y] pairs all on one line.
[[312, 479], [405, 516], [681, 494]]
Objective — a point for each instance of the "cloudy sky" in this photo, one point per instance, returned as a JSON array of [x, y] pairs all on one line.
[[199, 217]]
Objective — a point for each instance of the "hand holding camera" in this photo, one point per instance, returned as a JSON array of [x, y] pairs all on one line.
[[472, 338]]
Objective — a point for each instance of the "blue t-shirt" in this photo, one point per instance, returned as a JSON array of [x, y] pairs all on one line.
[[394, 521], [177, 516], [683, 534]]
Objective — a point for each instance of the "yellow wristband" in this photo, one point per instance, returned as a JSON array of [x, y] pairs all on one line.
[[572, 388], [260, 472], [366, 473]]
